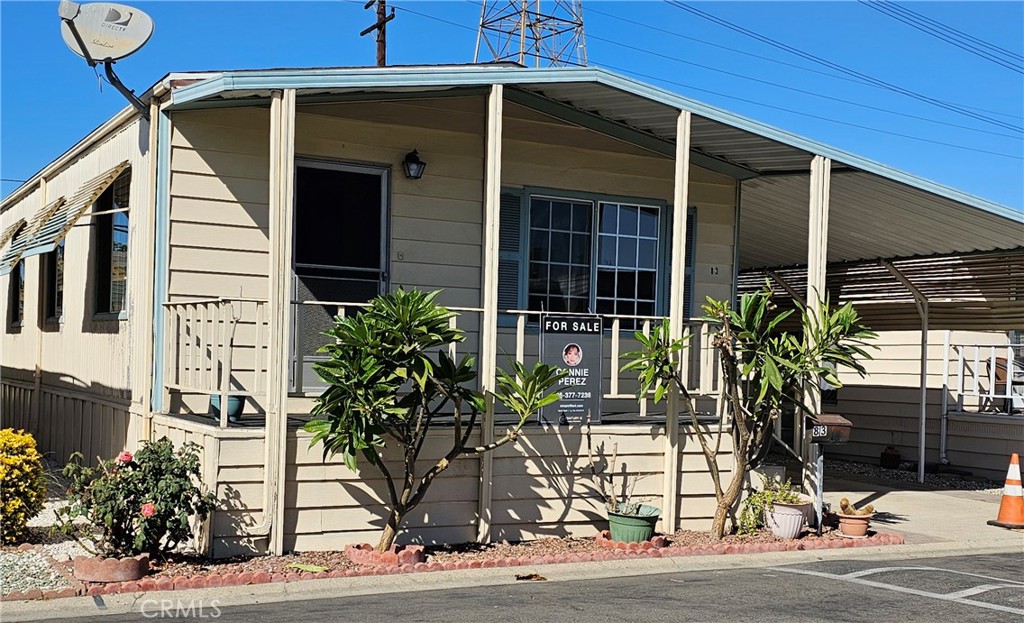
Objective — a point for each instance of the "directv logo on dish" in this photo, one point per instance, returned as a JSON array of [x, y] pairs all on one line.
[[115, 21]]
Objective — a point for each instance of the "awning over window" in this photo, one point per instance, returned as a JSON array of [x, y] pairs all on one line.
[[10, 231], [49, 235], [23, 238]]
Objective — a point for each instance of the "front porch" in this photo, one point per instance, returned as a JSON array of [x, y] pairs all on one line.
[[574, 192]]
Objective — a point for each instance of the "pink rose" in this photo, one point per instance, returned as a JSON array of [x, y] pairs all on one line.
[[124, 457], [148, 510]]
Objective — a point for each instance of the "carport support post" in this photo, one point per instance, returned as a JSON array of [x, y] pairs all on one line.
[[817, 256], [922, 309], [489, 322], [670, 501]]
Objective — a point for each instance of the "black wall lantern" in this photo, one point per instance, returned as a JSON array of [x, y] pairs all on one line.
[[413, 166]]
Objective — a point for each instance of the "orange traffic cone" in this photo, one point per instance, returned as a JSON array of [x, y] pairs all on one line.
[[1011, 509]]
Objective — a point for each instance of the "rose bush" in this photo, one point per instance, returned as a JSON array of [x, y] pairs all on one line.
[[145, 503]]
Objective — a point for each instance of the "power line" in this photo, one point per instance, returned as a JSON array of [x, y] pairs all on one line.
[[745, 100], [924, 19], [813, 116], [838, 67], [803, 91], [895, 11], [7, 179], [828, 74]]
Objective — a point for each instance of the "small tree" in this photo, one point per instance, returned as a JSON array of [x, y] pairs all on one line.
[[764, 368], [385, 387]]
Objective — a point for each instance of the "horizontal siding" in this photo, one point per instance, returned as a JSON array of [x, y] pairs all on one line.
[[219, 236], [885, 407]]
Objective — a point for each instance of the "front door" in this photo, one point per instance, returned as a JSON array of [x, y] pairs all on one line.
[[340, 253]]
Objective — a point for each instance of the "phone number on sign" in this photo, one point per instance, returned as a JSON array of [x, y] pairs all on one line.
[[575, 395]]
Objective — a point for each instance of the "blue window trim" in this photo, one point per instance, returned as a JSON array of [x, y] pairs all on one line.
[[162, 239]]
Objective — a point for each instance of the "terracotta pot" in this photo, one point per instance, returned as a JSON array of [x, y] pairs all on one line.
[[99, 569], [854, 525]]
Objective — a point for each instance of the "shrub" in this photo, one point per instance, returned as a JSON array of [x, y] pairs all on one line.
[[22, 483], [751, 517], [139, 504]]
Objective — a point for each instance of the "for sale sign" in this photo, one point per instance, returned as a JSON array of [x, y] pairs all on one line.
[[573, 344]]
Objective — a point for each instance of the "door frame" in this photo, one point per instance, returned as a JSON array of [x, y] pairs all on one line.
[[295, 359]]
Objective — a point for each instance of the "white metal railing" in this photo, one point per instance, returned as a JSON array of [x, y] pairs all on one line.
[[698, 364], [204, 355], [992, 375], [299, 359]]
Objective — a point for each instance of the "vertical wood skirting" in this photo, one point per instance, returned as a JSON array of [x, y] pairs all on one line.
[[677, 288], [489, 302], [817, 258]]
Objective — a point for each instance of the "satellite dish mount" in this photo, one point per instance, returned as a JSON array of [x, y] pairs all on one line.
[[109, 32]]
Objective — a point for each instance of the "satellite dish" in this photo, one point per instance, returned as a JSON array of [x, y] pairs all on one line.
[[106, 30], [103, 32]]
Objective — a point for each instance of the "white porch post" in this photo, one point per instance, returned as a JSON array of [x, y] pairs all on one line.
[[489, 296], [922, 310], [680, 193], [282, 176], [817, 257]]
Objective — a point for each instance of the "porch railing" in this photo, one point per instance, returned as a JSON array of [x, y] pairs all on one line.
[[991, 375], [219, 346], [210, 343]]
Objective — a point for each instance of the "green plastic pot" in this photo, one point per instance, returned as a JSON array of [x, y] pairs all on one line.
[[634, 528]]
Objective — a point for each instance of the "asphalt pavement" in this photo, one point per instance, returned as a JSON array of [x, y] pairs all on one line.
[[978, 588]]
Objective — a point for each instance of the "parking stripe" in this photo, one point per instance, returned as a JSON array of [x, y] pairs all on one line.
[[902, 589], [858, 574]]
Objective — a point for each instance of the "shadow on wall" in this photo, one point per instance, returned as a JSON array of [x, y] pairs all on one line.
[[63, 419]]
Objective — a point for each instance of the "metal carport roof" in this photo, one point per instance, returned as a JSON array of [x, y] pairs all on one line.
[[876, 211]]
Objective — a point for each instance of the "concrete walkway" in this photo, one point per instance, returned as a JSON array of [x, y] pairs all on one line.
[[934, 524], [949, 520]]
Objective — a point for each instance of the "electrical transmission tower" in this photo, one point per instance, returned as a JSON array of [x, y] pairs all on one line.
[[520, 31]]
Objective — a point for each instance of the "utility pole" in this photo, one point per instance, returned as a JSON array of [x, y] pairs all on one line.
[[380, 26]]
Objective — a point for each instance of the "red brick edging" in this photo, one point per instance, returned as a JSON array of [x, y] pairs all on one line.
[[614, 553], [365, 554]]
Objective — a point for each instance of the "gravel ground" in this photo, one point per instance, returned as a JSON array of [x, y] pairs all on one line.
[[937, 481], [21, 571], [906, 474]]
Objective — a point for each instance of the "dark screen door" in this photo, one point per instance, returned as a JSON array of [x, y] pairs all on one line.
[[339, 253]]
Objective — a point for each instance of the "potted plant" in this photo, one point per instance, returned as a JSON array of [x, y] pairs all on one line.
[[854, 522], [133, 507], [629, 521], [778, 506]]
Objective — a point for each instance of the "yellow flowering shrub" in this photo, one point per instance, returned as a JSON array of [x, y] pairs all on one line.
[[22, 483]]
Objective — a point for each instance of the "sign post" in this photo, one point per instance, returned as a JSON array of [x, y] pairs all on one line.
[[826, 429], [573, 344]]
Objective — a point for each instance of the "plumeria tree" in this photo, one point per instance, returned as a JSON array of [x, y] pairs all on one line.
[[391, 381], [764, 367]]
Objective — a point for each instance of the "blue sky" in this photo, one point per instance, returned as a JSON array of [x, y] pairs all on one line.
[[49, 98]]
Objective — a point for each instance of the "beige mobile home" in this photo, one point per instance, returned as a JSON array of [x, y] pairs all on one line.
[[163, 265]]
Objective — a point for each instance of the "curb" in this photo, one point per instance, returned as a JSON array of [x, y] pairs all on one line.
[[216, 580]]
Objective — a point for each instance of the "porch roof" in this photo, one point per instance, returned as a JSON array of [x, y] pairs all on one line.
[[877, 211]]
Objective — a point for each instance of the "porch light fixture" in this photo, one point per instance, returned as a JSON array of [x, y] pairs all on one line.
[[413, 166]]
